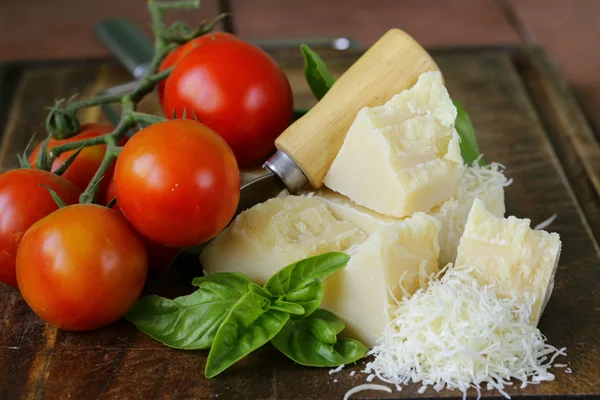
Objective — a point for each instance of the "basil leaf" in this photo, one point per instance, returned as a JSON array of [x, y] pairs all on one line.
[[300, 282], [250, 324], [288, 307], [190, 322], [317, 75], [313, 341], [466, 131]]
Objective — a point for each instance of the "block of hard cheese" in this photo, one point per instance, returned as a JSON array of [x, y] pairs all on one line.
[[403, 156], [393, 258], [273, 234], [506, 252], [485, 183], [393, 262]]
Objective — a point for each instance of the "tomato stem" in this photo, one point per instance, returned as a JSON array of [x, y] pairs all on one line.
[[62, 122]]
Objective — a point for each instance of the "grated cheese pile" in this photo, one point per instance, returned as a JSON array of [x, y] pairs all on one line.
[[459, 335]]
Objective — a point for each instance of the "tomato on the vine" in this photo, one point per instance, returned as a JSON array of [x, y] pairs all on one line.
[[159, 256], [87, 162], [181, 51], [177, 182], [238, 90], [22, 203], [81, 267]]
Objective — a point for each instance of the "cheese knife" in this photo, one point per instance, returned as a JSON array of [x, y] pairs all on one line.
[[307, 148]]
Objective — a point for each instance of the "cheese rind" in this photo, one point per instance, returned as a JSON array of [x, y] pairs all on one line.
[[507, 253], [485, 183], [388, 260], [404, 156]]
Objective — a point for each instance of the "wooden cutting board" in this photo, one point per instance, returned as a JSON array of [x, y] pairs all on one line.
[[525, 117]]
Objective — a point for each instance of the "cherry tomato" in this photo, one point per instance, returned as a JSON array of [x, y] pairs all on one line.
[[159, 256], [236, 89], [177, 182], [181, 51], [87, 162], [81, 267], [22, 203]]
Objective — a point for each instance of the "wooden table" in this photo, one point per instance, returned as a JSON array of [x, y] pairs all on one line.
[[526, 118]]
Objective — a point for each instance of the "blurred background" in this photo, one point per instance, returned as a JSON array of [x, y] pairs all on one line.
[[567, 29]]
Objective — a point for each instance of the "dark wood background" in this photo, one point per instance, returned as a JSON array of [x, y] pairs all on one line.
[[526, 118]]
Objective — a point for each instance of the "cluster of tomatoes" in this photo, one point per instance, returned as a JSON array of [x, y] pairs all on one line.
[[176, 184]]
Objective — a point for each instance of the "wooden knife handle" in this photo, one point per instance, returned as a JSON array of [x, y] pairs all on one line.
[[391, 65]]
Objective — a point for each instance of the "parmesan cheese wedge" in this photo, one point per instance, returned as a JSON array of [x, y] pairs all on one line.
[[484, 183], [508, 254], [387, 261], [404, 156]]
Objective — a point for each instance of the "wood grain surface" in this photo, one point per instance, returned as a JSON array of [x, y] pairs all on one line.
[[525, 118]]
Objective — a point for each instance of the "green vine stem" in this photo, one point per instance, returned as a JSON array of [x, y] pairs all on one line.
[[62, 122]]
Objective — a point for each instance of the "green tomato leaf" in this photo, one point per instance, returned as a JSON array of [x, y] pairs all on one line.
[[190, 322], [300, 282], [250, 324], [317, 75], [466, 131], [313, 341]]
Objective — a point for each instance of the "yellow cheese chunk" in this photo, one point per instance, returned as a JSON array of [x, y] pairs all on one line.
[[394, 258], [404, 156], [271, 235], [395, 261], [485, 183], [507, 253]]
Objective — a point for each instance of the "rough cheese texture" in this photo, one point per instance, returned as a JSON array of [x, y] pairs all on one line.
[[391, 260], [457, 334], [273, 234], [485, 183], [403, 156], [507, 253]]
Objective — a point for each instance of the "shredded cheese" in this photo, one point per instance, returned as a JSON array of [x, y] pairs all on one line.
[[457, 334], [336, 370], [366, 386], [545, 223]]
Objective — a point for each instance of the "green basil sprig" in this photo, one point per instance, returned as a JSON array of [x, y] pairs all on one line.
[[234, 316], [313, 341], [190, 322], [317, 75], [466, 131]]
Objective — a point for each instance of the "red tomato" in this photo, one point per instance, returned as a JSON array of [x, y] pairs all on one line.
[[181, 51], [87, 162], [23, 202], [82, 267], [236, 89], [177, 182], [159, 256]]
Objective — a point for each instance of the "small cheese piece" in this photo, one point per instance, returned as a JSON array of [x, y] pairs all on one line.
[[403, 156], [271, 235], [485, 183], [507, 253], [388, 261], [395, 261]]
